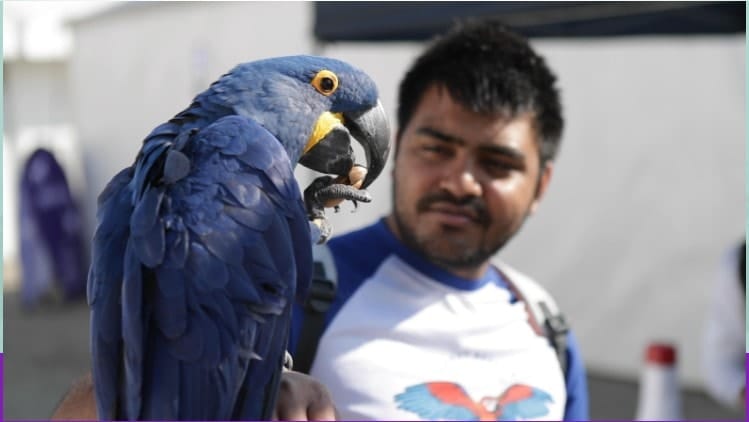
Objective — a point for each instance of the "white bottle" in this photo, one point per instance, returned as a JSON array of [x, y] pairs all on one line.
[[659, 396]]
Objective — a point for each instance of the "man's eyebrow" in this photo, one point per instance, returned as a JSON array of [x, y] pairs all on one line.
[[440, 136], [502, 150]]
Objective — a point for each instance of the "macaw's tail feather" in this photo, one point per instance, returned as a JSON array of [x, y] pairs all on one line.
[[106, 367], [133, 323], [103, 293], [259, 398]]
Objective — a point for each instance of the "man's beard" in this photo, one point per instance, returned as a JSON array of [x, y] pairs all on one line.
[[461, 254]]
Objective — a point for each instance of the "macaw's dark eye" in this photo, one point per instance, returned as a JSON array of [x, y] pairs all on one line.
[[325, 82]]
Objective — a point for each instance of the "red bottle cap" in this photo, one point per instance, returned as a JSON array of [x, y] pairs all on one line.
[[661, 354]]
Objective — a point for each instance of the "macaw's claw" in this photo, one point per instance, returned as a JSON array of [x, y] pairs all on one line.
[[339, 191], [325, 192]]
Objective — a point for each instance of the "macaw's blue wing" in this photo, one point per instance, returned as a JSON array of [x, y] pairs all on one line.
[[197, 257]]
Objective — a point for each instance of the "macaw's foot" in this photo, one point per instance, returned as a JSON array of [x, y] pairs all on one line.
[[325, 192]]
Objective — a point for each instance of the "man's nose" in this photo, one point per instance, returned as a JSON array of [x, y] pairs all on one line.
[[461, 180]]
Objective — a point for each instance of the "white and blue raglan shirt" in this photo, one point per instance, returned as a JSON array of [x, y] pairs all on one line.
[[406, 340]]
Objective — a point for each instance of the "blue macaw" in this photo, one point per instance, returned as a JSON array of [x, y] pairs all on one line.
[[204, 242]]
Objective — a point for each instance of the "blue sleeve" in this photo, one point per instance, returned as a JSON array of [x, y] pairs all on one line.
[[576, 408]]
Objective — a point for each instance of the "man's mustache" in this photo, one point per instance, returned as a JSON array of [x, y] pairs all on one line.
[[473, 205]]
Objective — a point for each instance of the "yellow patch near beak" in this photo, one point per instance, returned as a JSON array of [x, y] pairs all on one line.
[[325, 123]]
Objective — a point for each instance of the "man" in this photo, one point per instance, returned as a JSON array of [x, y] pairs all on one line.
[[724, 335], [423, 325]]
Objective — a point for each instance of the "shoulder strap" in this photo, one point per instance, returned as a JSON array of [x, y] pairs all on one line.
[[321, 294], [742, 265], [543, 314]]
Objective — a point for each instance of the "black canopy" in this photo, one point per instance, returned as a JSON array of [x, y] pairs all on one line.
[[401, 21]]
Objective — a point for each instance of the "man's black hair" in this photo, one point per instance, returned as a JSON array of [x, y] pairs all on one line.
[[488, 69]]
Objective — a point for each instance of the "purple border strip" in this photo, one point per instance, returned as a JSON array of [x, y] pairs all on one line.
[[2, 383], [746, 374]]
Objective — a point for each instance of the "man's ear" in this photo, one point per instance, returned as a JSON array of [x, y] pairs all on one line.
[[396, 149], [543, 184], [397, 141]]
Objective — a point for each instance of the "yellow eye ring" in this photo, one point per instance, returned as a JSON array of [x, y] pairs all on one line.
[[325, 82]]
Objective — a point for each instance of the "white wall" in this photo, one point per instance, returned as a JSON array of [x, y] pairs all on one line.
[[648, 189], [649, 192]]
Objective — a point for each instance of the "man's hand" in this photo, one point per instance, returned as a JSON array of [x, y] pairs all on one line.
[[303, 398], [300, 398], [78, 403], [742, 397]]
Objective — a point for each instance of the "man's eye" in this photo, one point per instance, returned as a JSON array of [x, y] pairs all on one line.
[[495, 164], [498, 166], [436, 149]]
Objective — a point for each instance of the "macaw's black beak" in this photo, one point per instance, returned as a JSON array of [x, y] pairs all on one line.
[[329, 149], [372, 130]]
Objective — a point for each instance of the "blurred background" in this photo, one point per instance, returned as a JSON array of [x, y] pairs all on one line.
[[648, 194]]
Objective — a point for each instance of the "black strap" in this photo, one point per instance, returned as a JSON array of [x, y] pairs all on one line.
[[742, 265], [321, 294], [556, 328]]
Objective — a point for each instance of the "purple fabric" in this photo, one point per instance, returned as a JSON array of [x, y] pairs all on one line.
[[52, 248], [1, 385]]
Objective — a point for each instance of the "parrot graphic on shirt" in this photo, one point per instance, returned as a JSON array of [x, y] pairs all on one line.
[[442, 400]]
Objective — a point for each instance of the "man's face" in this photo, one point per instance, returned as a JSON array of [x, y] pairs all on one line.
[[463, 183]]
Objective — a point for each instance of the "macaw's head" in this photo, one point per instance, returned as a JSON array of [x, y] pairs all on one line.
[[315, 107]]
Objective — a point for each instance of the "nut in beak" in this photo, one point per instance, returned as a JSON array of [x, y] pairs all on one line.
[[354, 178]]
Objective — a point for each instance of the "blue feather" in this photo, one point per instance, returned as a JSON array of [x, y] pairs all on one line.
[[170, 302], [176, 166], [189, 346], [235, 148], [179, 240], [222, 311], [161, 384], [240, 287], [150, 156], [146, 212], [211, 343], [205, 270], [223, 242], [244, 190], [248, 217], [132, 331], [150, 247], [255, 159]]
